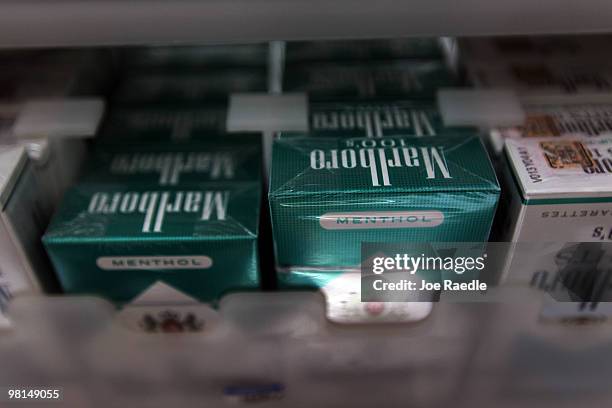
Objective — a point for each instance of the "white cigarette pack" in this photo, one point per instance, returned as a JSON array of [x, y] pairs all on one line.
[[24, 267]]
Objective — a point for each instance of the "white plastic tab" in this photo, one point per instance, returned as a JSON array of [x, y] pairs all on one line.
[[482, 108], [267, 112], [75, 117]]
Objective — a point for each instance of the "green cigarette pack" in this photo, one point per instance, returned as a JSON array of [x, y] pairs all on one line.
[[341, 50], [376, 119], [328, 195], [373, 80], [206, 87], [118, 240], [145, 216], [159, 123], [196, 57], [230, 159]]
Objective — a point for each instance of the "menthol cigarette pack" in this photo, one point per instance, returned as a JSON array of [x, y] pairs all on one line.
[[398, 48], [207, 87], [147, 216], [155, 123], [24, 267], [121, 240], [556, 120], [368, 80], [229, 159], [196, 57], [377, 119], [328, 195]]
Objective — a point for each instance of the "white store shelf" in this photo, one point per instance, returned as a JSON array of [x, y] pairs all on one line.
[[25, 23], [463, 355]]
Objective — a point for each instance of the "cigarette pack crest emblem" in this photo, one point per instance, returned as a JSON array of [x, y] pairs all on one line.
[[563, 154]]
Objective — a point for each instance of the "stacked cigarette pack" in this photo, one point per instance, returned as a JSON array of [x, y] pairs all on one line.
[[56, 75], [541, 47], [559, 190], [377, 119], [558, 117], [336, 193], [209, 87], [343, 50], [395, 79], [186, 216], [556, 213], [195, 57], [159, 123], [24, 266], [376, 165], [181, 94], [539, 65], [35, 169]]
